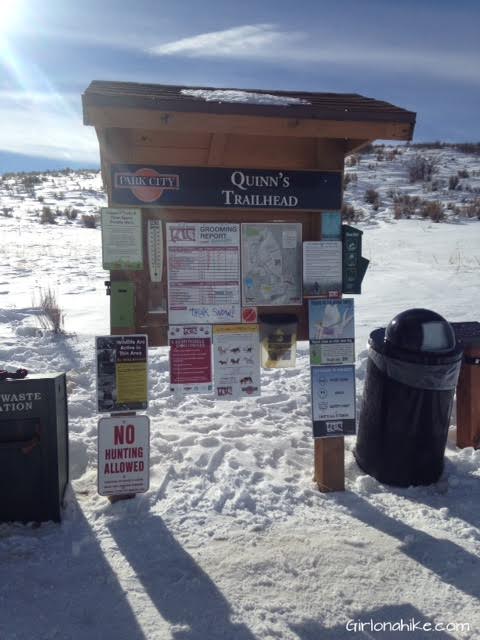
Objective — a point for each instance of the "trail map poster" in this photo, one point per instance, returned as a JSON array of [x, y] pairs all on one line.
[[203, 273], [333, 401], [122, 374], [271, 264], [236, 358], [122, 239], [331, 331], [190, 359]]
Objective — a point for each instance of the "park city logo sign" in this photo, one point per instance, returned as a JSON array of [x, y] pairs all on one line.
[[147, 184], [173, 186]]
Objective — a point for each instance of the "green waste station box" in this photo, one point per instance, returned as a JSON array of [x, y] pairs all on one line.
[[33, 448], [122, 304]]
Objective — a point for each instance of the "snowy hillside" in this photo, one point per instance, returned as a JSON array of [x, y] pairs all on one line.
[[233, 539]]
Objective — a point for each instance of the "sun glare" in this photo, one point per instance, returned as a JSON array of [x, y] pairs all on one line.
[[10, 15]]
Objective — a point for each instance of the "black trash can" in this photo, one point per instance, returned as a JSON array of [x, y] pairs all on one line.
[[33, 448], [412, 372]]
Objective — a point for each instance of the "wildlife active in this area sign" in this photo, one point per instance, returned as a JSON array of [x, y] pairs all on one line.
[[147, 185], [123, 455], [122, 374]]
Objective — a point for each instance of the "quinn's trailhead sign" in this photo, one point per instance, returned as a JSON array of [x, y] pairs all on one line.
[[146, 185]]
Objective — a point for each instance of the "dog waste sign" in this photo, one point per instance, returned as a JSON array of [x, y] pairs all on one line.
[[123, 455]]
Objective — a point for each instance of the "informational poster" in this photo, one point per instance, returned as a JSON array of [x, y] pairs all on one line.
[[331, 328], [236, 361], [331, 225], [190, 358], [279, 341], [123, 455], [354, 264], [122, 374], [333, 401], [203, 273], [122, 246], [271, 264], [322, 269]]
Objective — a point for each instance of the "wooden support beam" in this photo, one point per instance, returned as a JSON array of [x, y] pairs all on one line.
[[468, 400], [128, 118], [216, 151], [330, 464], [353, 145], [330, 154]]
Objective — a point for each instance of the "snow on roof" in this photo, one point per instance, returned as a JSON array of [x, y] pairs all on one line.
[[247, 97]]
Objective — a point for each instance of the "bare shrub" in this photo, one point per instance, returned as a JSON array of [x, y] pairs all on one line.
[[463, 173], [397, 211], [71, 213], [372, 197], [47, 216], [432, 209], [393, 153], [350, 214], [453, 182], [472, 209], [421, 169], [405, 206], [50, 315], [468, 147], [90, 221], [29, 180], [348, 178]]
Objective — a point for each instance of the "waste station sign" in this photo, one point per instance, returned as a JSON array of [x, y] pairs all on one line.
[[123, 455]]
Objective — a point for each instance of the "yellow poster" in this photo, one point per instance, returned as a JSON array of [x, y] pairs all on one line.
[[131, 382]]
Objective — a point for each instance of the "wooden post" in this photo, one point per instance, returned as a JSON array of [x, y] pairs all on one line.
[[330, 464], [468, 400]]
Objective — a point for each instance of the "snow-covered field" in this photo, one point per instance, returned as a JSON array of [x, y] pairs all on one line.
[[233, 540]]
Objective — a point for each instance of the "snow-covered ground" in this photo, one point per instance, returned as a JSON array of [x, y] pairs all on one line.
[[233, 540]]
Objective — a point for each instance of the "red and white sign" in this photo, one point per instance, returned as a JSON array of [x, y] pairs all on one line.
[[190, 358], [123, 455], [249, 315]]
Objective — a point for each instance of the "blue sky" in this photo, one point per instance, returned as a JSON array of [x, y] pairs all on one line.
[[423, 55]]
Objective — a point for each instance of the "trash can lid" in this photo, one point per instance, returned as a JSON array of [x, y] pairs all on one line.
[[420, 330]]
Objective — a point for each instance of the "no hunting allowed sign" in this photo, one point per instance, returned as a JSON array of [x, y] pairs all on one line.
[[123, 455]]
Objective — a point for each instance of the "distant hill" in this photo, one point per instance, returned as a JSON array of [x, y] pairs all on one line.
[[10, 162], [438, 181]]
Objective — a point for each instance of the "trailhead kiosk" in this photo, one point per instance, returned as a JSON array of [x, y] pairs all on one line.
[[224, 210]]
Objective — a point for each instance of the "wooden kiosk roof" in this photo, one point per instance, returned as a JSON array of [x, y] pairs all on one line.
[[318, 115]]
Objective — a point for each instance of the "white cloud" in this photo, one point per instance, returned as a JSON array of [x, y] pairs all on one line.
[[248, 41], [33, 124], [266, 42]]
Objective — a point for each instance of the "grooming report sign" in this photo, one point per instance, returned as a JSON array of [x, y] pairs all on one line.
[[203, 273]]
